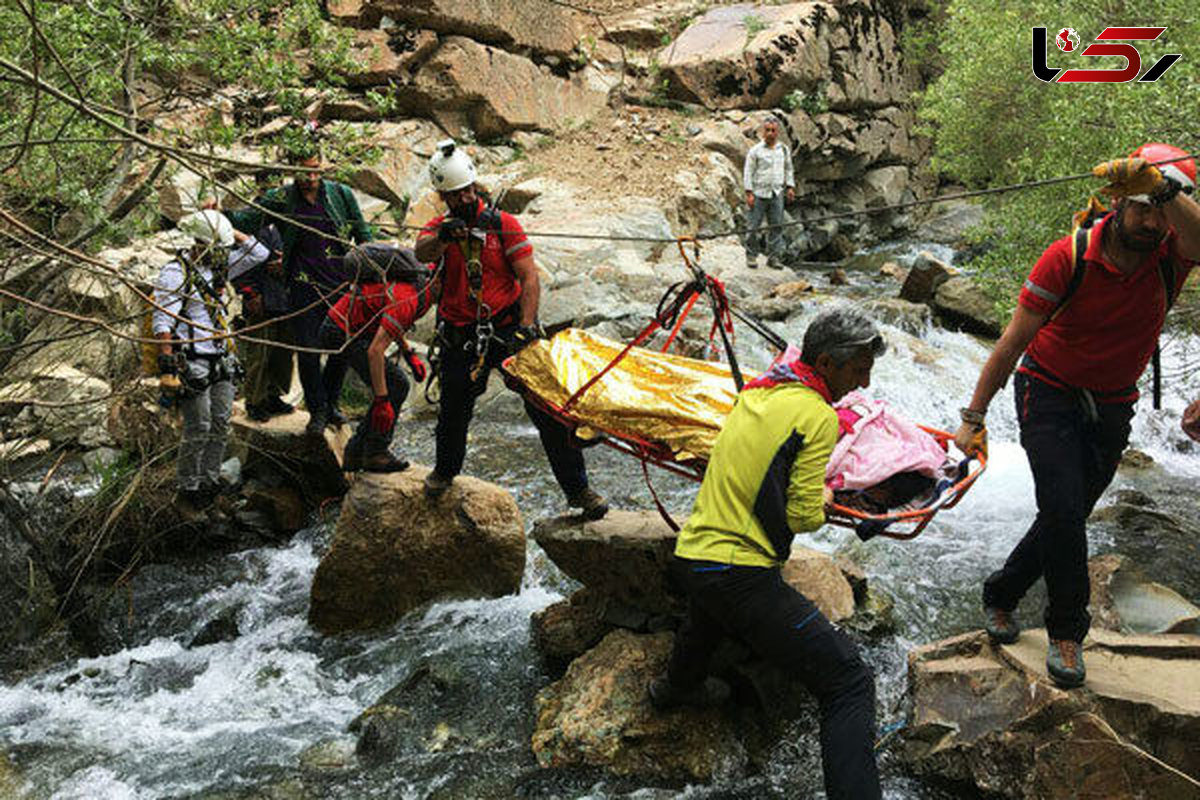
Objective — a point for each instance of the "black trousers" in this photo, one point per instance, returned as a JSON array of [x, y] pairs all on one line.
[[1073, 456], [457, 407], [322, 386], [778, 623], [355, 357]]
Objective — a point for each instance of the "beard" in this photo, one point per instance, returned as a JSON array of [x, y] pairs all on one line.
[[1139, 240]]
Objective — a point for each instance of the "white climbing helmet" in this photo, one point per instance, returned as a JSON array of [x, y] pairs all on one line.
[[450, 168], [208, 227]]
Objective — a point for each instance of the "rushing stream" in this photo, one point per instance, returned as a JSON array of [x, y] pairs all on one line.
[[156, 719]]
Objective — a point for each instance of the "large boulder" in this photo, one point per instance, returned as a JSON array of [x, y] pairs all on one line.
[[754, 56], [624, 555], [59, 403], [544, 28], [401, 175], [961, 304], [990, 716], [493, 93], [923, 280], [565, 630], [280, 446], [394, 550], [599, 715], [817, 577]]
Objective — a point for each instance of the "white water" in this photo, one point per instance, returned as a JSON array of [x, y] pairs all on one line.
[[158, 720]]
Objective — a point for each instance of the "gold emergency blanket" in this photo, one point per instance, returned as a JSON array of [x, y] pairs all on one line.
[[664, 398]]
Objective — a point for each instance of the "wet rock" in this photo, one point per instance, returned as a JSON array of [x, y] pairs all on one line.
[[990, 716], [623, 556], [837, 277], [280, 446], [1124, 600], [282, 506], [874, 614], [1133, 458], [222, 628], [565, 630], [599, 715], [912, 318], [510, 24], [792, 290], [961, 304], [926, 275], [394, 550], [890, 269], [328, 754]]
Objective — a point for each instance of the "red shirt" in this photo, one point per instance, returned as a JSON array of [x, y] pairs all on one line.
[[1105, 334], [500, 285], [395, 306]]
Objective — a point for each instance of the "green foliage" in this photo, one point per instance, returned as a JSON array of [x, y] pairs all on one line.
[[171, 50], [994, 124], [814, 102]]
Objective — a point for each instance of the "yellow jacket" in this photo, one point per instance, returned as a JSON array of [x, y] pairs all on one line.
[[765, 478]]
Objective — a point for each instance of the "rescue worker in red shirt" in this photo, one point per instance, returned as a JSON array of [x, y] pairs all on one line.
[[487, 311], [1082, 345], [363, 324]]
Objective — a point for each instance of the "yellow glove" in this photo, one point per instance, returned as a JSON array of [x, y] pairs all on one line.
[[972, 439], [1128, 176]]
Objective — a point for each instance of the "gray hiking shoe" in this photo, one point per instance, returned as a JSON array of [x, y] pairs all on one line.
[[590, 504], [316, 423], [664, 695], [1064, 662], [1000, 625]]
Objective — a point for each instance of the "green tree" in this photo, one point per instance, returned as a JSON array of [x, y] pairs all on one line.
[[995, 124]]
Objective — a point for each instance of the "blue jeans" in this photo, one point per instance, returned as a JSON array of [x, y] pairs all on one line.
[[770, 208], [322, 387]]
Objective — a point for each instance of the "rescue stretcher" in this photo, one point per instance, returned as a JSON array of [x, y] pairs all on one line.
[[667, 409]]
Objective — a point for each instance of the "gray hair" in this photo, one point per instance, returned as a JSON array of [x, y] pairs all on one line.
[[842, 334]]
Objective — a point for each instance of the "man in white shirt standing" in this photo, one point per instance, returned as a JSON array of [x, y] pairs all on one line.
[[768, 180], [195, 362]]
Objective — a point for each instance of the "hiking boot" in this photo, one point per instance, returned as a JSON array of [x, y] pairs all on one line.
[[1000, 625], [385, 462], [751, 262], [335, 418], [590, 504], [664, 695], [277, 407], [436, 484], [316, 423], [257, 413], [1064, 662]]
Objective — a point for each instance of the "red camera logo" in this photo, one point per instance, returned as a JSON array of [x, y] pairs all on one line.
[[1067, 41]]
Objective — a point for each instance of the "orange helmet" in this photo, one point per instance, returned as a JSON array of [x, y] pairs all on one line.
[[1182, 171]]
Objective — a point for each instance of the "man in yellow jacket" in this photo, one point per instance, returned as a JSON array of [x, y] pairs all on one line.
[[765, 482]]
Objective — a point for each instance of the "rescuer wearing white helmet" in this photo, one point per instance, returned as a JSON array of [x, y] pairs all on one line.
[[196, 364], [1086, 325], [488, 310]]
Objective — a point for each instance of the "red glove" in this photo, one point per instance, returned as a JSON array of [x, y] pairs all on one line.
[[417, 366], [382, 416]]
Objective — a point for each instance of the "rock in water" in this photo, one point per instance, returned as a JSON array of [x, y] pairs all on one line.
[[599, 714], [394, 550], [989, 715]]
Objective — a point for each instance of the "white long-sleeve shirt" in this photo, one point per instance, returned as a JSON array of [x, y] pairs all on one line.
[[768, 170], [169, 295]]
